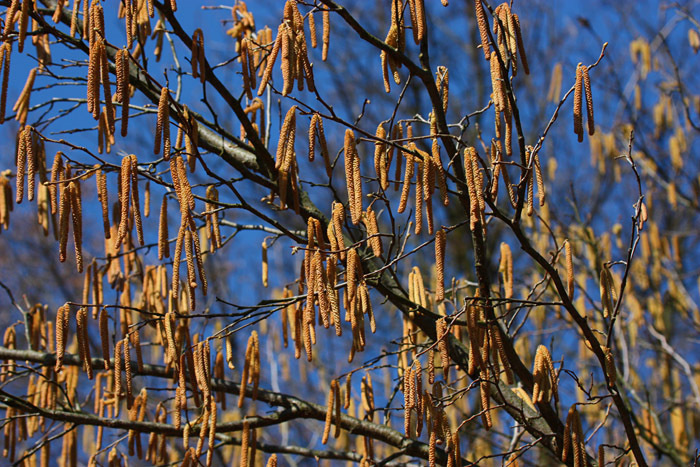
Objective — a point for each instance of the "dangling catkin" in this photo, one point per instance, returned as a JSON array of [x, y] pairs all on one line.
[[77, 218], [104, 336], [607, 291], [589, 99], [163, 124], [163, 244], [329, 412], [61, 335], [440, 244], [569, 269], [578, 98], [483, 28], [380, 162], [326, 33]]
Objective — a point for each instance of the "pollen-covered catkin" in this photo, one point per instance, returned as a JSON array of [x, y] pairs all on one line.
[[589, 99], [163, 244], [569, 269], [440, 244], [163, 124], [483, 28], [329, 413]]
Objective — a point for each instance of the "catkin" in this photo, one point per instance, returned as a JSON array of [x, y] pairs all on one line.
[[163, 244], [607, 291], [380, 162], [61, 335], [326, 33], [329, 412], [578, 98], [104, 336], [163, 124], [589, 99], [483, 28], [569, 269], [352, 177], [77, 218], [440, 244], [101, 179], [83, 340]]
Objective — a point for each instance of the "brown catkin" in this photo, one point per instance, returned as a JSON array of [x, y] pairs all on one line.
[[607, 291], [77, 218], [440, 243], [104, 336], [163, 244], [578, 98], [610, 370], [589, 99]]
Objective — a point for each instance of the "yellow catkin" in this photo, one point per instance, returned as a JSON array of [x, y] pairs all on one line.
[[443, 336], [380, 162], [578, 103], [519, 40], [408, 175], [542, 389], [370, 220], [163, 124], [272, 461], [569, 269], [135, 201], [554, 92], [23, 20], [589, 99], [329, 413], [483, 28], [326, 33], [352, 177], [128, 373], [245, 438], [440, 244], [117, 374], [123, 94]]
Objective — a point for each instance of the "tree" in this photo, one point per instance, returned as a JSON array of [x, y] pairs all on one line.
[[547, 307]]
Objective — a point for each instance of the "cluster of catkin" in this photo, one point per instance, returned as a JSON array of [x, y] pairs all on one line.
[[486, 352], [353, 178], [509, 47], [574, 441], [545, 377], [583, 85], [251, 369], [396, 38], [286, 161], [187, 237], [291, 42], [475, 186]]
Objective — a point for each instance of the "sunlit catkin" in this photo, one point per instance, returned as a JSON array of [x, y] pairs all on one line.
[[569, 269], [483, 28], [380, 161], [163, 124], [330, 405], [440, 244], [61, 335], [352, 177]]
